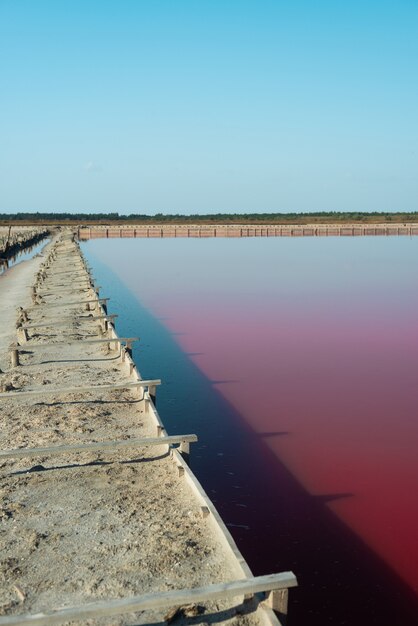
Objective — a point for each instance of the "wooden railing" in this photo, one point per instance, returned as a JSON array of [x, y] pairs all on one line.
[[272, 586], [256, 230]]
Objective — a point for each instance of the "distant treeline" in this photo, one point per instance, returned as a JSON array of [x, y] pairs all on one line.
[[228, 218]]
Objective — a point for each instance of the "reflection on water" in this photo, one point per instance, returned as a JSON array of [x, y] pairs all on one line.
[[296, 362], [22, 255]]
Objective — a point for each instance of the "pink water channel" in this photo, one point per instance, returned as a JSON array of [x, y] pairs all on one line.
[[312, 339]]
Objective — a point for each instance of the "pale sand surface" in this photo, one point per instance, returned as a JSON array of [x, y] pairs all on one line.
[[83, 527], [14, 292]]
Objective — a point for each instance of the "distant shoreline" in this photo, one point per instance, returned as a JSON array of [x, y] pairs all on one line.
[[219, 219]]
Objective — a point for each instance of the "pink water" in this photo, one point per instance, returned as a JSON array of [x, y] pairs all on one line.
[[314, 338], [346, 395]]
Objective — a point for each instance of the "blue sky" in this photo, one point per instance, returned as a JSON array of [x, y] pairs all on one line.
[[208, 105]]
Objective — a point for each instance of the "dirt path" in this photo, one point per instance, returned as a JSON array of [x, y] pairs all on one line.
[[92, 525]]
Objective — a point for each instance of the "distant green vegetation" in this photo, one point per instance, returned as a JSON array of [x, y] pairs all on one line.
[[319, 217]]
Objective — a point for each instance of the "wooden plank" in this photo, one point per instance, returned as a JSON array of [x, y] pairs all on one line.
[[97, 445], [54, 289], [78, 272], [88, 389], [155, 601], [58, 304], [29, 347], [88, 318], [78, 288], [54, 282]]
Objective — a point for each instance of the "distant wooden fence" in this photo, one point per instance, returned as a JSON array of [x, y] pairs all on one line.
[[328, 230]]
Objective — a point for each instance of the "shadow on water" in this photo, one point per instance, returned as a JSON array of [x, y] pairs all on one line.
[[276, 523]]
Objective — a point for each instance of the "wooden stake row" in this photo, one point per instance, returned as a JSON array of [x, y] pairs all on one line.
[[59, 344], [85, 389], [65, 321]]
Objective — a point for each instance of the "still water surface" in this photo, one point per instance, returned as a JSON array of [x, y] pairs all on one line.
[[23, 255], [295, 361]]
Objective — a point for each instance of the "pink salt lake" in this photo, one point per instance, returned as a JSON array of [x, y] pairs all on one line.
[[318, 338]]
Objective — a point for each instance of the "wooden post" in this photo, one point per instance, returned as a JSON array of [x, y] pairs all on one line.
[[185, 451], [22, 315], [152, 390], [278, 600], [204, 511], [114, 345], [14, 355], [23, 333]]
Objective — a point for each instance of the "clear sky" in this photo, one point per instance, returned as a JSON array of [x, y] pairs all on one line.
[[208, 105]]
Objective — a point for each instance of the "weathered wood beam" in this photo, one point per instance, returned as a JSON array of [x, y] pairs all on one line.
[[60, 288], [75, 284], [46, 294], [155, 601], [77, 271], [84, 389], [58, 304], [97, 445], [87, 318], [29, 347]]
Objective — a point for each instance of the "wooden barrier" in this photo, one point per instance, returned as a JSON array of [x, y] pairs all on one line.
[[59, 344], [81, 271], [161, 600], [45, 294], [75, 284], [84, 389], [88, 284], [65, 321], [79, 302], [249, 230], [108, 446]]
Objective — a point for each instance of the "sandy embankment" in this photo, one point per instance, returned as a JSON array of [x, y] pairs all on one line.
[[14, 239], [88, 526]]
